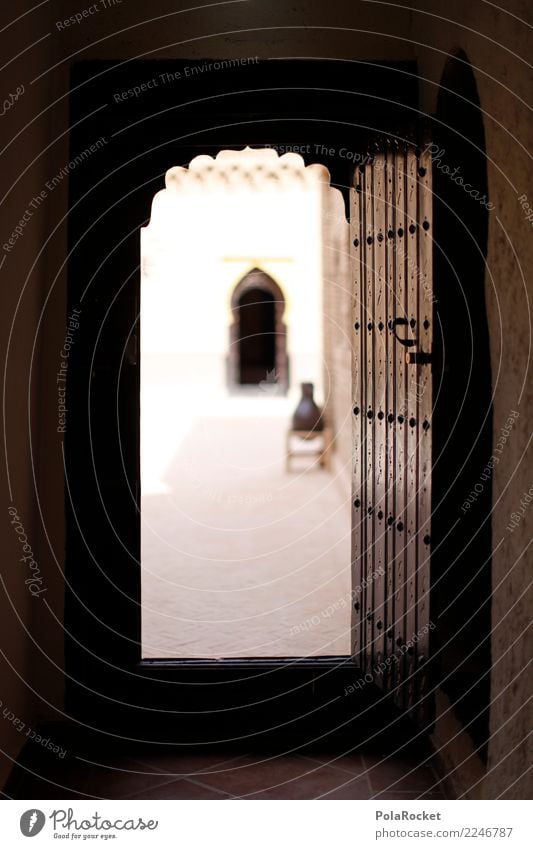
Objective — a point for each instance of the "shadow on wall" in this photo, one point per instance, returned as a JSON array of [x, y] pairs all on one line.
[[462, 437]]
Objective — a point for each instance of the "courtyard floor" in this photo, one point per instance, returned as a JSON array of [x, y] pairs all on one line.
[[241, 558]]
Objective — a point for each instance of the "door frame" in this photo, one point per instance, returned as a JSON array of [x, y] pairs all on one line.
[[106, 675]]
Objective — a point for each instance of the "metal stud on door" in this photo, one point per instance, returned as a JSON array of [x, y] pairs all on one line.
[[391, 235]]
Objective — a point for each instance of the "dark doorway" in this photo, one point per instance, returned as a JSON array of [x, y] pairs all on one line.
[[279, 104], [257, 328], [258, 343]]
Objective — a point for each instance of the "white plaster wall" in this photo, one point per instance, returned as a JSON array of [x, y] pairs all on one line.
[[338, 334], [212, 224]]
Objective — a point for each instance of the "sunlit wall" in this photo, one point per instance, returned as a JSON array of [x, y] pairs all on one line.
[[214, 222]]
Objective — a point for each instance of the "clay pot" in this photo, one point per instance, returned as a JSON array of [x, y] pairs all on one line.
[[307, 415]]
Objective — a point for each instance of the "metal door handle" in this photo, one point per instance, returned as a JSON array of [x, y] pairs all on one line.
[[393, 323]]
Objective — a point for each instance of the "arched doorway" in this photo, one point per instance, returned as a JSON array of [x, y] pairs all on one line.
[[258, 336]]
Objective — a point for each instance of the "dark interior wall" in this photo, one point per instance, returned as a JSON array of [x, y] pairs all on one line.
[[345, 31], [28, 632], [462, 429], [496, 45]]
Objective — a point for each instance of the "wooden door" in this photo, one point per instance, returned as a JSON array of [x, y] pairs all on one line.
[[391, 243]]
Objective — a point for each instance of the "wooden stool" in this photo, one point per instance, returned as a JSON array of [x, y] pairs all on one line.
[[321, 450]]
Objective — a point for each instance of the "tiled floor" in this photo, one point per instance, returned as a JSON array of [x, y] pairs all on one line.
[[302, 774]]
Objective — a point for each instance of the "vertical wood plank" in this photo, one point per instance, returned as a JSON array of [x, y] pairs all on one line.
[[377, 334], [358, 459], [399, 311], [410, 519], [390, 417], [367, 411]]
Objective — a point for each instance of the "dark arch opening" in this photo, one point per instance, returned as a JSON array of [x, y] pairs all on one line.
[[462, 477], [257, 327], [258, 349]]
